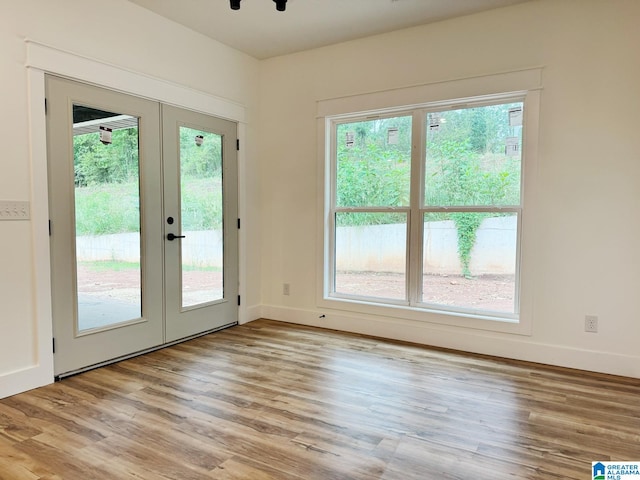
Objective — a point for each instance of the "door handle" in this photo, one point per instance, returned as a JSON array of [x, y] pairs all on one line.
[[171, 237]]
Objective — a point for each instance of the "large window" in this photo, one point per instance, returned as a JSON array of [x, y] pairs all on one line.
[[425, 207]]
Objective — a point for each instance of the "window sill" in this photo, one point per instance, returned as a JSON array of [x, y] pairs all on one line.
[[471, 320]]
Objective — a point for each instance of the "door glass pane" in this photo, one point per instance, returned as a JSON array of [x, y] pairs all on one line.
[[371, 254], [469, 260], [373, 163], [107, 217], [474, 156], [201, 214]]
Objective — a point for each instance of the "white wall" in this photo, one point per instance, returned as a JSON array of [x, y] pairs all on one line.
[[587, 172], [126, 36]]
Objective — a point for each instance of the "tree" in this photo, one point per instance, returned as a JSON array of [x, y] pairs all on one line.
[[96, 163]]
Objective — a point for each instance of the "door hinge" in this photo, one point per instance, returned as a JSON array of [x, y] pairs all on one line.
[[238, 224], [45, 106], [49, 227], [237, 144], [54, 345], [238, 299]]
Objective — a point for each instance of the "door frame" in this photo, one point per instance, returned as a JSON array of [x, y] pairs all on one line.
[[42, 59]]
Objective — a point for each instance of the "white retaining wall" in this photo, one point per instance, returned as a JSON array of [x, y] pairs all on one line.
[[378, 248], [202, 248]]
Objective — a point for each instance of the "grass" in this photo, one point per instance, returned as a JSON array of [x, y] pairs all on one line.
[[107, 208], [115, 266], [110, 265], [115, 207]]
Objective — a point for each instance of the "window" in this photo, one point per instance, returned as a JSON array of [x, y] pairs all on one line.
[[425, 207]]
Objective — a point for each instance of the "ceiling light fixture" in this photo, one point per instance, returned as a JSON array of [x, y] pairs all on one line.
[[281, 5]]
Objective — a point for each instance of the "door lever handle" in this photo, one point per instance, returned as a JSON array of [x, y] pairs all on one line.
[[171, 237]]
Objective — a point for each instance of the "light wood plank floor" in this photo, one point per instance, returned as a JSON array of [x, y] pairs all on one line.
[[269, 400]]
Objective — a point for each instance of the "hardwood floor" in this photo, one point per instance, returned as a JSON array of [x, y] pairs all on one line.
[[269, 400]]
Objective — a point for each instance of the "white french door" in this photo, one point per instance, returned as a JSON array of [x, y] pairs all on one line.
[[201, 233], [143, 207]]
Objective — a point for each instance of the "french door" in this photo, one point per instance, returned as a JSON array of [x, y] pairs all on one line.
[[200, 215], [143, 208]]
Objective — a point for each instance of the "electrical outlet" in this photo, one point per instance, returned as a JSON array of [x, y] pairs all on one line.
[[14, 210], [591, 324], [286, 289]]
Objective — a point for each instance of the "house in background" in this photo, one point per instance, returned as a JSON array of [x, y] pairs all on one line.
[[584, 207]]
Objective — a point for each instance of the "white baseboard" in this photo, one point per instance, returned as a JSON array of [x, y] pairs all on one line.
[[474, 341], [20, 381], [249, 314]]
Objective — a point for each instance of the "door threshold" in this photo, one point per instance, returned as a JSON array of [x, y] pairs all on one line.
[[62, 376]]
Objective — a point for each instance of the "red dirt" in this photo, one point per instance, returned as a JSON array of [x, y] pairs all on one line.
[[486, 292]]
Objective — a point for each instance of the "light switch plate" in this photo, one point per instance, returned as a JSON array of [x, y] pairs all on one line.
[[14, 210]]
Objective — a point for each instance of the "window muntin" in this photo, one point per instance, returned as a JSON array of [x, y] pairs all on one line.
[[468, 170]]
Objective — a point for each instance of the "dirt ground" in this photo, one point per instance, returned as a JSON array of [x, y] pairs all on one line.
[[125, 284], [486, 292]]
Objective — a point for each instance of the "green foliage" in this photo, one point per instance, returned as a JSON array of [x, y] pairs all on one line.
[[478, 134], [350, 219], [110, 208], [372, 173], [467, 225], [96, 163], [201, 203], [372, 176], [114, 208], [122, 266], [110, 266], [200, 161], [466, 164]]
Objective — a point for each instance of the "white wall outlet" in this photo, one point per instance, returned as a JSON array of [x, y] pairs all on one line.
[[286, 289], [14, 210], [591, 324]]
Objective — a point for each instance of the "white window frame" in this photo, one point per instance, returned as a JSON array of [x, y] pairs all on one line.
[[522, 85], [333, 122]]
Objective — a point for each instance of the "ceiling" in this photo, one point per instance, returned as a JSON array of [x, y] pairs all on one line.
[[262, 32]]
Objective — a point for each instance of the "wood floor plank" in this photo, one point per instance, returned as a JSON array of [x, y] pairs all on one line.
[[68, 466], [242, 468], [269, 400], [16, 464]]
